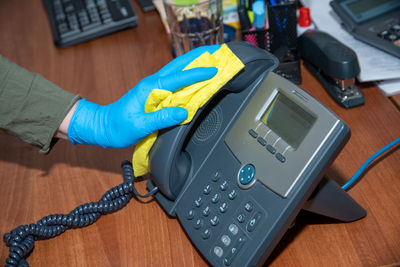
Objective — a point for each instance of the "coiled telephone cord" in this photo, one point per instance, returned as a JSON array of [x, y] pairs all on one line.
[[21, 239]]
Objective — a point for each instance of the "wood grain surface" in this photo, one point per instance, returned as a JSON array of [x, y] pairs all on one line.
[[396, 100], [141, 234]]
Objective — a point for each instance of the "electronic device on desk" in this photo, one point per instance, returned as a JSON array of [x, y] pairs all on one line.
[[76, 21], [237, 175], [334, 64], [376, 22], [146, 5]]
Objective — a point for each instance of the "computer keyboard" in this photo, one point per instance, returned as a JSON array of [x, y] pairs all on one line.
[[76, 21]]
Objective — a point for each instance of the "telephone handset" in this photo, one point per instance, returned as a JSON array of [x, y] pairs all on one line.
[[169, 163], [238, 174]]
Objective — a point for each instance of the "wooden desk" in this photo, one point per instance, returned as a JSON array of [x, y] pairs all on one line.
[[396, 100], [34, 185]]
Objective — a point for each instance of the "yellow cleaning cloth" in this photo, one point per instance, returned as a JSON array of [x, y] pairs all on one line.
[[191, 97]]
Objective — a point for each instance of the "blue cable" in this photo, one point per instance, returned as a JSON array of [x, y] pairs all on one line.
[[368, 161]]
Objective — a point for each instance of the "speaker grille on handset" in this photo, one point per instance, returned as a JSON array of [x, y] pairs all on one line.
[[209, 126]]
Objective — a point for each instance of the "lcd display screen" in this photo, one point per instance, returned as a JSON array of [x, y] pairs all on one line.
[[288, 120], [359, 7]]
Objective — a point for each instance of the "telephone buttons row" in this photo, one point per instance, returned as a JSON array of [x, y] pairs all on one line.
[[269, 147]]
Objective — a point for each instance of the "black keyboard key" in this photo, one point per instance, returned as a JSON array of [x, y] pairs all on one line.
[[62, 28]]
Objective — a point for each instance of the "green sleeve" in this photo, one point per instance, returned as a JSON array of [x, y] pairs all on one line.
[[31, 107]]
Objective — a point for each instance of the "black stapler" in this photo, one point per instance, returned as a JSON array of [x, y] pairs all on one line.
[[334, 64]]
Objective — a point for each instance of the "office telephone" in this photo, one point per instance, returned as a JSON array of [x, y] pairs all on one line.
[[236, 176], [239, 173]]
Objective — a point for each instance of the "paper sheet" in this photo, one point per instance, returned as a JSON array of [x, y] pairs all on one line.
[[375, 64], [390, 87]]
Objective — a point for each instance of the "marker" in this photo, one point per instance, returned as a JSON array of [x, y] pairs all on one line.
[[259, 14]]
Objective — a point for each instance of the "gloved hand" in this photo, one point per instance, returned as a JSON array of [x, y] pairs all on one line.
[[124, 122]]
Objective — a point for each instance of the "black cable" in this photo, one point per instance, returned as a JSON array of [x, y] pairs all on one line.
[[21, 239]]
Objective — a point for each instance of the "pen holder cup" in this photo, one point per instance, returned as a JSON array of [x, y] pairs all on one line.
[[282, 26], [258, 38]]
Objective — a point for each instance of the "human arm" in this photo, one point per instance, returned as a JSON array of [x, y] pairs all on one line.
[[124, 122], [31, 107]]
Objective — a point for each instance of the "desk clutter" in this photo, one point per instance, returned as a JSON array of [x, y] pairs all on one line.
[[227, 196], [274, 28]]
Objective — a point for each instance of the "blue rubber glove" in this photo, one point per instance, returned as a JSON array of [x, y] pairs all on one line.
[[124, 122]]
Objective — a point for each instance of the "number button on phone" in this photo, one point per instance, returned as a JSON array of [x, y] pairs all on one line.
[[223, 208], [224, 185], [214, 220], [206, 233], [198, 224], [207, 189], [232, 195], [206, 211], [190, 215], [216, 176], [198, 202], [215, 198]]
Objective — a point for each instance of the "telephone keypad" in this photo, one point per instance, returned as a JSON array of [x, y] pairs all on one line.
[[215, 204]]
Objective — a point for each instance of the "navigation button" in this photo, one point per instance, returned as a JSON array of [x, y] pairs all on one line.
[[246, 174]]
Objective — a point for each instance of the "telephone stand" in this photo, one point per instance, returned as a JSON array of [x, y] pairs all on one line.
[[330, 200]]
